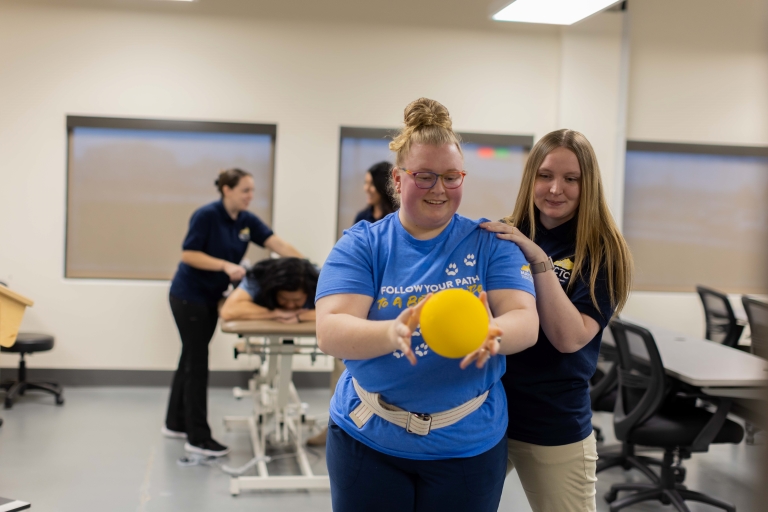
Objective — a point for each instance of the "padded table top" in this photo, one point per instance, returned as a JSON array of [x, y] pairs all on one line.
[[268, 327]]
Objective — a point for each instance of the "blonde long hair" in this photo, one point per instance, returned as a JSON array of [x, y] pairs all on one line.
[[598, 238], [426, 122]]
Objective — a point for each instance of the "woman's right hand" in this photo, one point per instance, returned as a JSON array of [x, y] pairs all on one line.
[[234, 271], [532, 252], [402, 328]]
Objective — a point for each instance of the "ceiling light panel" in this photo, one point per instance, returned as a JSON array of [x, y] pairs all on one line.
[[551, 12]]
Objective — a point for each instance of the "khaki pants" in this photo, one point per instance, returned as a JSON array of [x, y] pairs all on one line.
[[556, 478]]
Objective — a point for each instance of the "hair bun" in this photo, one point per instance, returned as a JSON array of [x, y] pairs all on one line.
[[426, 112]]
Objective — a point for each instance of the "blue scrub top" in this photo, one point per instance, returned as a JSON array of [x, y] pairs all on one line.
[[214, 232]]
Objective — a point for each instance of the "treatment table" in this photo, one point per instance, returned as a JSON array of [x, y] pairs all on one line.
[[277, 410]]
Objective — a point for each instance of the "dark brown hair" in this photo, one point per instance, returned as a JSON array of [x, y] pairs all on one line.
[[230, 178], [380, 175]]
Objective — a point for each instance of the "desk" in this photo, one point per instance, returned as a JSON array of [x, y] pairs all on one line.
[[7, 505], [718, 370], [277, 409]]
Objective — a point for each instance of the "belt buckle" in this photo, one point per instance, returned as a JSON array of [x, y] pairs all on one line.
[[419, 416]]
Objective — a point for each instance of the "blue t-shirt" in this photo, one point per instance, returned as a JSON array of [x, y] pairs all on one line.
[[547, 390], [252, 288], [214, 232], [384, 261]]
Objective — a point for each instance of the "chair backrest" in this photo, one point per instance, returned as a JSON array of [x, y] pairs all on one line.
[[757, 315], [720, 320], [642, 380]]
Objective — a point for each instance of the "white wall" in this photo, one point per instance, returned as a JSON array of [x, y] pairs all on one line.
[[309, 79], [699, 74]]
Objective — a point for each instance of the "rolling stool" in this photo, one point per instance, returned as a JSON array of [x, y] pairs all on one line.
[[28, 343]]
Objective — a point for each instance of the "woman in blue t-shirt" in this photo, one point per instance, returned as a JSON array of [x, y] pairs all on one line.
[[281, 289], [582, 270], [429, 436], [218, 236]]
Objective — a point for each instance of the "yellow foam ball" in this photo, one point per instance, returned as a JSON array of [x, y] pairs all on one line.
[[454, 323]]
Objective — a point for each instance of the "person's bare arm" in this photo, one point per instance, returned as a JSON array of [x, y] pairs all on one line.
[[240, 306], [203, 261], [515, 313], [566, 327], [344, 331], [514, 329], [276, 244], [307, 315]]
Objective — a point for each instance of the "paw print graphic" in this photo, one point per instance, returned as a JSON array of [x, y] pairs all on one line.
[[452, 269], [397, 354], [422, 350], [470, 260], [417, 332]]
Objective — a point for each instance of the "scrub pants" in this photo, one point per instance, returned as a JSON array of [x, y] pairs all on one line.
[[556, 478], [188, 404], [365, 479]]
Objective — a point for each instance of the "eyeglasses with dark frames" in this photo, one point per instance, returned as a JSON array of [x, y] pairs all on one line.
[[428, 179]]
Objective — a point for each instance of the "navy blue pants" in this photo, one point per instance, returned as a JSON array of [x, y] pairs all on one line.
[[188, 403], [363, 479]]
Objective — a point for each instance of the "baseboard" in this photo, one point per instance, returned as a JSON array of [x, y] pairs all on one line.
[[160, 378]]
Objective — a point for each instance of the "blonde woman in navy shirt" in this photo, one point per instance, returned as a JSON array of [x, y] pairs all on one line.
[[218, 236], [582, 271]]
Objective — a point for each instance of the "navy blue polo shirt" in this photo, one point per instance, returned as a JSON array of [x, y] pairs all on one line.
[[366, 215], [214, 232], [548, 391]]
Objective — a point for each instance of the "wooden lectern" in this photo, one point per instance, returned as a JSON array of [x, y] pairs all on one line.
[[12, 307]]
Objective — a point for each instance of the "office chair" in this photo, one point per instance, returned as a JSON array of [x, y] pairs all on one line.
[[29, 343], [757, 316], [648, 414], [721, 324], [602, 393]]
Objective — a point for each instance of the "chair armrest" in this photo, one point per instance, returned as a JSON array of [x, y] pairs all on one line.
[[713, 426]]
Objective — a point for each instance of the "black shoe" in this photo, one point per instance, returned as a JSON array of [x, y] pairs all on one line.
[[209, 448]]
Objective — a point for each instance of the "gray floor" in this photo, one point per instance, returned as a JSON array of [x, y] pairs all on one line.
[[102, 451]]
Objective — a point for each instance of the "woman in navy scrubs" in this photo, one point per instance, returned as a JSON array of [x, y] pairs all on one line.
[[582, 271], [216, 242], [380, 203]]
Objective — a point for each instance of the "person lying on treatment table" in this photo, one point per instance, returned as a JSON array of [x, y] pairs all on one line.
[[280, 289]]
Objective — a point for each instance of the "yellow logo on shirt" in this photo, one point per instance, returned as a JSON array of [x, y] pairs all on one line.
[[245, 234], [563, 269], [525, 272]]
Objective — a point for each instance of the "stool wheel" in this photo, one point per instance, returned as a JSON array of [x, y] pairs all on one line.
[[59, 400], [611, 496], [8, 402]]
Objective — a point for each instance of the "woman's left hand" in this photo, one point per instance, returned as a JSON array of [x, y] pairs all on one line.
[[532, 252], [490, 346]]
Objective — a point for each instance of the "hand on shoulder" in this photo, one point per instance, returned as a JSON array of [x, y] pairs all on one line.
[[532, 252]]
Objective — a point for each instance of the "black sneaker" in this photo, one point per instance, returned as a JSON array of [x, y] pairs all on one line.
[[208, 448]]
